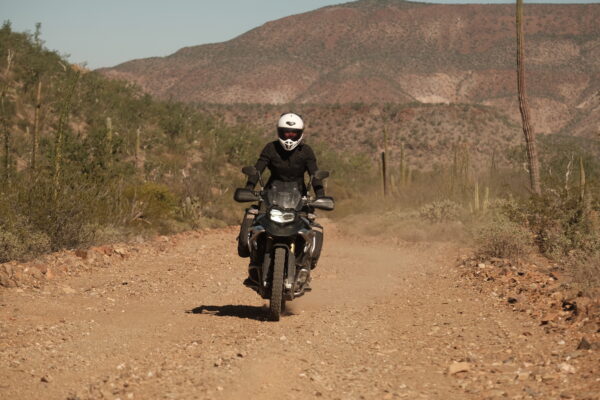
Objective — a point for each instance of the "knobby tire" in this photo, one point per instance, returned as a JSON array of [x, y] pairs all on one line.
[[276, 304]]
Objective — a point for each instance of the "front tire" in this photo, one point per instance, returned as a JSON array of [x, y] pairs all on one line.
[[277, 302]]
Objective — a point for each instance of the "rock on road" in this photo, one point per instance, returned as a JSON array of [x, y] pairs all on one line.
[[384, 321]]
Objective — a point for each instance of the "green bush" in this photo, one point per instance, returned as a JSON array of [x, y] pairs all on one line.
[[10, 246], [502, 238], [150, 202], [562, 223], [19, 240]]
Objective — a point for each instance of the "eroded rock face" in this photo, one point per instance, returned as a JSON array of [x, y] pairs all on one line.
[[393, 51]]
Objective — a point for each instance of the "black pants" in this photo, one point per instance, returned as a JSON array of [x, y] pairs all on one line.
[[249, 215]]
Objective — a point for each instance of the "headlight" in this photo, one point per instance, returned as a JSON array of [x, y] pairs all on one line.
[[281, 217]]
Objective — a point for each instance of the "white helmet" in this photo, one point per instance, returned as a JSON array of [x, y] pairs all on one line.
[[290, 128]]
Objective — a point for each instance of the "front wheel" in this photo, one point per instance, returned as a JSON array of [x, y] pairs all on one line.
[[277, 302]]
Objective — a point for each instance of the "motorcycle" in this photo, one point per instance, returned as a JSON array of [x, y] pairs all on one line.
[[282, 242]]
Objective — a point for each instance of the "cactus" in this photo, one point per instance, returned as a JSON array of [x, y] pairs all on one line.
[[392, 183], [461, 165], [528, 131], [581, 179], [109, 138], [486, 199], [466, 166], [476, 197], [136, 150], [36, 126], [59, 138], [493, 166], [4, 115], [384, 173], [402, 166], [454, 177]]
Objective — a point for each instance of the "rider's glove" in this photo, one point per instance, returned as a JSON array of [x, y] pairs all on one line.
[[320, 193], [249, 186]]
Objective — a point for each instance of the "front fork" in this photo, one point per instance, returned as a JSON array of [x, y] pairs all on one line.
[[292, 274]]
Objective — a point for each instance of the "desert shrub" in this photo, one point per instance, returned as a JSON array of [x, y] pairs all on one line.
[[66, 214], [10, 246], [19, 240], [562, 223], [96, 185], [502, 238], [440, 211], [586, 271], [150, 202]]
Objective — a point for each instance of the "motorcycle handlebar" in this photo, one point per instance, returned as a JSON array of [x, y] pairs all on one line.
[[244, 195]]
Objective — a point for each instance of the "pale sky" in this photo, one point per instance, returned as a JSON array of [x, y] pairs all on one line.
[[108, 32]]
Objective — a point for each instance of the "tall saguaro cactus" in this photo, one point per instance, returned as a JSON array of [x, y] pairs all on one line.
[[4, 115], [402, 165], [109, 140], [532, 155], [60, 134], [138, 160], [36, 125]]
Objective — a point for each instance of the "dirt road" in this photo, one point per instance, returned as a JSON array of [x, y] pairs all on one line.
[[384, 321]]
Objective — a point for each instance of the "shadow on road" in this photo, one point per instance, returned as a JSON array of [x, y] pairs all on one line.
[[240, 311]]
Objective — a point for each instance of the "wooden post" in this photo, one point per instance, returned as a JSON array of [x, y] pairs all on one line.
[[383, 162], [384, 174]]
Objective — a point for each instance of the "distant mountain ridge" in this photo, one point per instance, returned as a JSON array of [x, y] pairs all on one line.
[[397, 51]]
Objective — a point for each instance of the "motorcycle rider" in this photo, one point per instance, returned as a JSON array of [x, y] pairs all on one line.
[[287, 158]]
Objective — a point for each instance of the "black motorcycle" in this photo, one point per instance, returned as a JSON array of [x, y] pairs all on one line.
[[282, 241]]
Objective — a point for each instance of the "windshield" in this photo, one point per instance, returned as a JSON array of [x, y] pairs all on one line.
[[284, 195]]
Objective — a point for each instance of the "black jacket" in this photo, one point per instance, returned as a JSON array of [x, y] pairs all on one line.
[[288, 166]]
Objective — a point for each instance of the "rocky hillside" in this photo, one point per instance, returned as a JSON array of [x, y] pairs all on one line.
[[396, 51], [428, 132]]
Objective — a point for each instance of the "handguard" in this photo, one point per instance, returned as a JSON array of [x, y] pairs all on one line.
[[323, 203], [243, 195]]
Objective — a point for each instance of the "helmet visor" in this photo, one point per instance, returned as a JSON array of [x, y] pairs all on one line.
[[287, 133]]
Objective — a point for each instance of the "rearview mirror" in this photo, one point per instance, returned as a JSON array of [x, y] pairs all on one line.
[[320, 175], [324, 203], [243, 195]]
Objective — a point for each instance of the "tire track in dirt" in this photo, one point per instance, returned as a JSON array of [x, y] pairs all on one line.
[[382, 322]]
